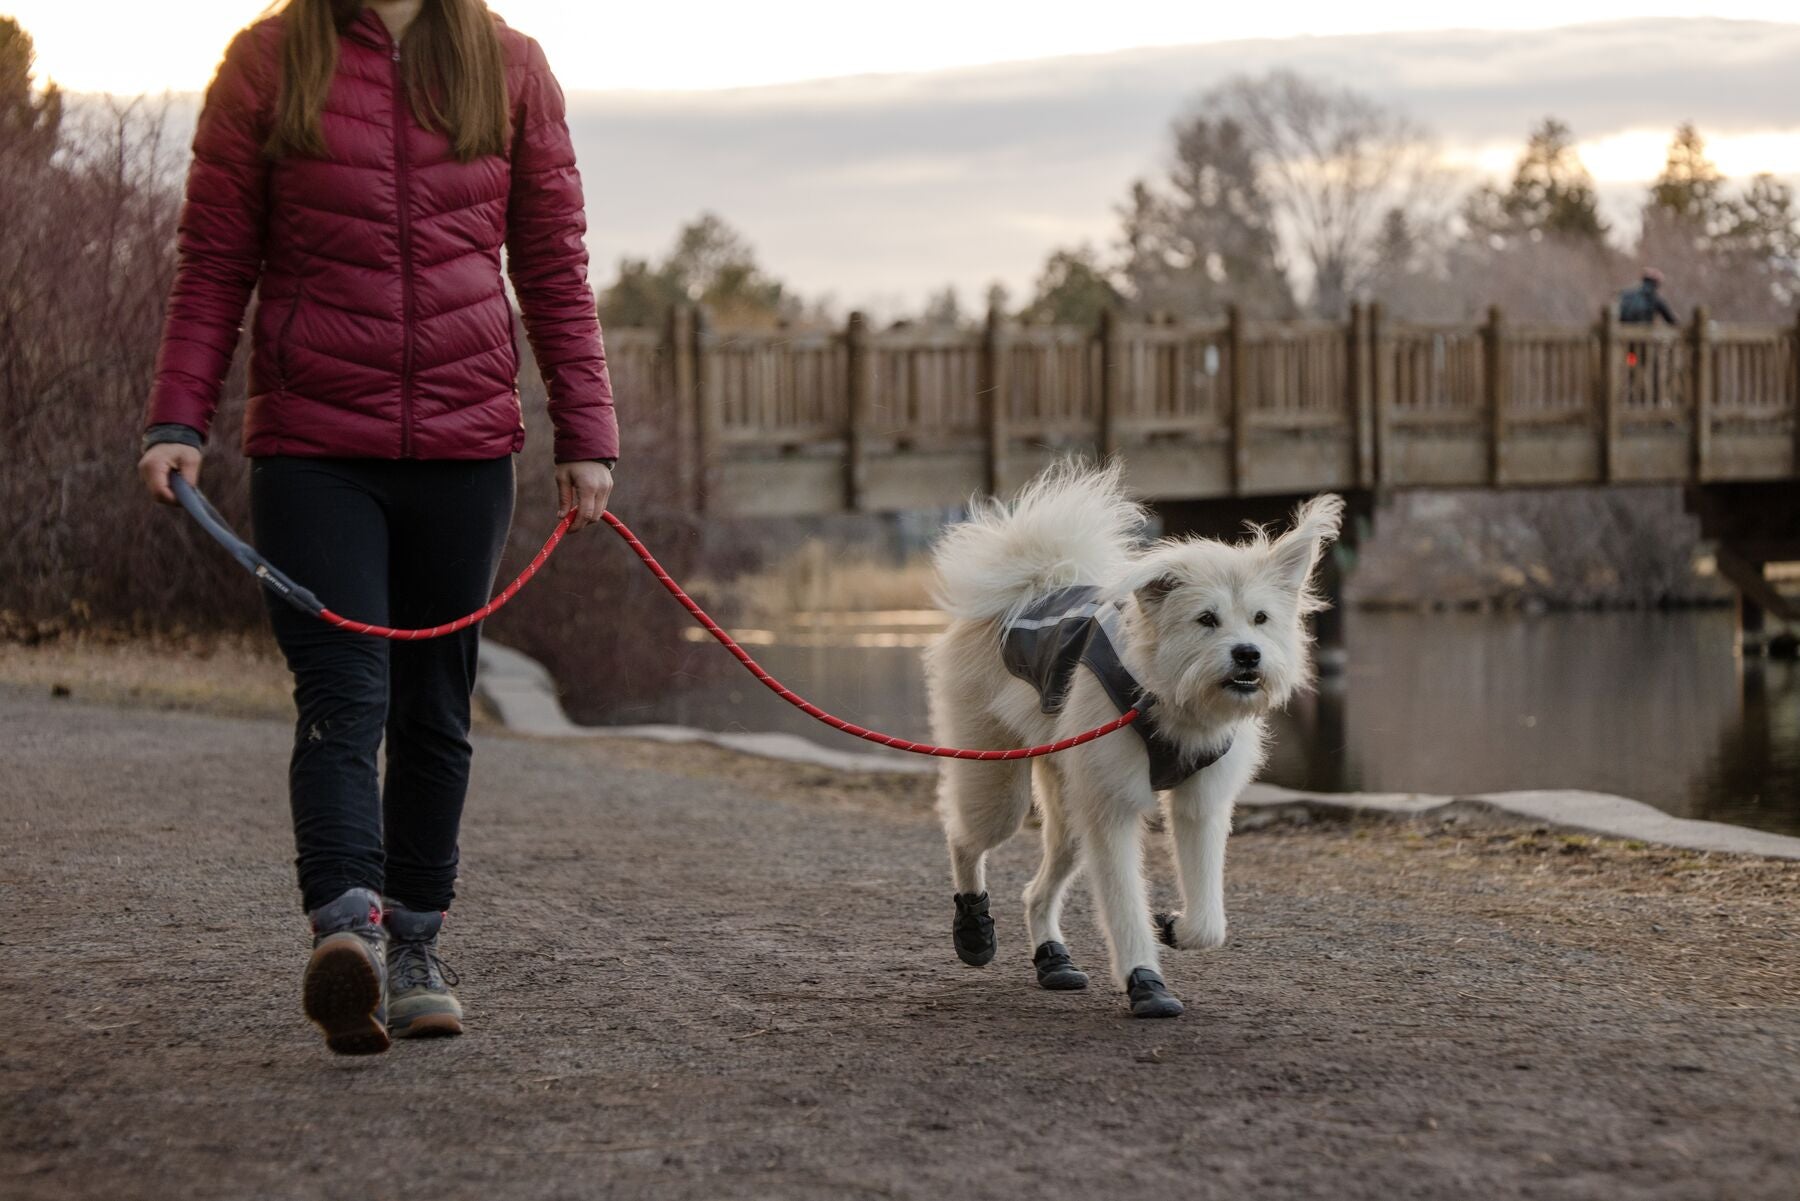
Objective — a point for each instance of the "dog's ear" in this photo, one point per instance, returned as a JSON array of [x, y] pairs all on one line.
[[1154, 592], [1316, 524]]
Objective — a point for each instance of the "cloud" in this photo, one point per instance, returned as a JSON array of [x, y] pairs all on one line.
[[876, 187], [887, 185]]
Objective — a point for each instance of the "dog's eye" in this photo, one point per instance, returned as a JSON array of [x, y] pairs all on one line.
[[1210, 620], [1261, 617]]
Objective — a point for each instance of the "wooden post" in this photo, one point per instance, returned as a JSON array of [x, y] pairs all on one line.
[[681, 362], [993, 386], [1237, 381], [1356, 363], [1109, 383], [1611, 387], [856, 411], [1380, 385], [1496, 382], [1794, 382], [1700, 386]]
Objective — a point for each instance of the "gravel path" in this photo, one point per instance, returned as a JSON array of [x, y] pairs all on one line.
[[696, 975]]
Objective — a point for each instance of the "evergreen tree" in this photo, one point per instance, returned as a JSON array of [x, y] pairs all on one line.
[[942, 309], [1073, 290], [29, 121], [710, 264], [1690, 189], [999, 300], [1762, 225], [1551, 194], [1208, 239]]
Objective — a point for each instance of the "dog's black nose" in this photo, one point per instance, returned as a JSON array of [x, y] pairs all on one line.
[[1246, 655]]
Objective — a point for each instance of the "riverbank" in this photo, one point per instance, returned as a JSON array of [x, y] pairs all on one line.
[[692, 973]]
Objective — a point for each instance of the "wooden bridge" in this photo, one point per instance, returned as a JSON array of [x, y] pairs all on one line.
[[784, 423], [1217, 421]]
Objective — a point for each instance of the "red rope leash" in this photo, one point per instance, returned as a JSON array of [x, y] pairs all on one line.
[[301, 598], [811, 710], [461, 623]]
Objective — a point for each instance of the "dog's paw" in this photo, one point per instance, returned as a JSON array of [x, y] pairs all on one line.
[[973, 930], [1175, 930], [1055, 970], [1165, 928], [1149, 996]]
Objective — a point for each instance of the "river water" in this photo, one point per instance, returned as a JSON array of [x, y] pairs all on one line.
[[1653, 706]]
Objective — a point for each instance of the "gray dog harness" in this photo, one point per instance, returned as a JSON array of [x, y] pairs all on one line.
[[1076, 627]]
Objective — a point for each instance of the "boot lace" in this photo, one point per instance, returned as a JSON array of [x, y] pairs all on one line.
[[418, 965]]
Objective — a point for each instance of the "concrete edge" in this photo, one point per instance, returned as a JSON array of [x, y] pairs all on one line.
[[523, 695], [1571, 811]]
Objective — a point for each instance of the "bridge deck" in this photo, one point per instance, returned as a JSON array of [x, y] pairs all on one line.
[[858, 420]]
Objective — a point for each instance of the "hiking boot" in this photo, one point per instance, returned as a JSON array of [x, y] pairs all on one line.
[[420, 1003], [1055, 970], [344, 989], [973, 929], [1150, 997]]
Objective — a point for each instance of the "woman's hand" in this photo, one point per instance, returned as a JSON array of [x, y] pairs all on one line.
[[584, 487], [164, 460]]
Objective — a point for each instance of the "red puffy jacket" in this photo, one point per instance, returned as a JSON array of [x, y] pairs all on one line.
[[382, 328]]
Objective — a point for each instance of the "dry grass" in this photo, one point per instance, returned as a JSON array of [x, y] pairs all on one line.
[[821, 577], [231, 675]]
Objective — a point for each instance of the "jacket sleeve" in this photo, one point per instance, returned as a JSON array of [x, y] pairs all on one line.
[[220, 243], [546, 222]]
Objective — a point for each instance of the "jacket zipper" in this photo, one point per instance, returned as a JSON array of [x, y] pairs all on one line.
[[406, 280]]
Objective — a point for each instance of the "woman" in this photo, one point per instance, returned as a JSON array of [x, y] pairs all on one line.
[[361, 166]]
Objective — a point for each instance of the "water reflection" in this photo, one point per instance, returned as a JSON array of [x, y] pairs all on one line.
[[1651, 706]]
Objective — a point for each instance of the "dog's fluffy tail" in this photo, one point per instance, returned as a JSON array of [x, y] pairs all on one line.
[[1071, 525]]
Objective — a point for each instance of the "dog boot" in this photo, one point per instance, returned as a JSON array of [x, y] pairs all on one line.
[[973, 929], [1055, 970], [1150, 997], [1165, 927], [344, 990]]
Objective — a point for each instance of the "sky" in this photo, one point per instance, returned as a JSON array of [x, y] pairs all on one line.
[[135, 46], [877, 163]]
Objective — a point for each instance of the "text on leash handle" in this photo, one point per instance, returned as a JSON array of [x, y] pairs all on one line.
[[270, 577]]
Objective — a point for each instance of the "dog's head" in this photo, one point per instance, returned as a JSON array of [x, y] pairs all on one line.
[[1221, 627]]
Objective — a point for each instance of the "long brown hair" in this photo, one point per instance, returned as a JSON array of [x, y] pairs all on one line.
[[452, 66]]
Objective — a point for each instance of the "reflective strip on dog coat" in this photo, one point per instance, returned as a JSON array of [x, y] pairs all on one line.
[[1076, 627]]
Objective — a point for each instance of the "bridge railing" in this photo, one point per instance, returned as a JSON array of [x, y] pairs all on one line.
[[856, 417]]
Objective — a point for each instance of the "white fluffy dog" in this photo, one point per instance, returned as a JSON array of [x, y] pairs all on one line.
[[1211, 635]]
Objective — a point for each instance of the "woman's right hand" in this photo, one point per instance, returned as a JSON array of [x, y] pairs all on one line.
[[166, 459]]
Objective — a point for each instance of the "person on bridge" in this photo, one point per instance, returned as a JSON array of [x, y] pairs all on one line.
[[361, 166], [1643, 304]]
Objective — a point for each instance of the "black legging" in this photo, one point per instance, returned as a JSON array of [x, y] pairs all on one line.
[[400, 543]]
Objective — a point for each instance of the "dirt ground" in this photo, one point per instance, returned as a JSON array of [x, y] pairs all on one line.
[[695, 975]]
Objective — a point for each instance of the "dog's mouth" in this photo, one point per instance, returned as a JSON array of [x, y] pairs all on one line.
[[1247, 682]]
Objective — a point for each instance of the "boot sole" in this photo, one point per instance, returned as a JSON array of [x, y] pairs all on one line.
[[342, 995], [1068, 980], [429, 1025]]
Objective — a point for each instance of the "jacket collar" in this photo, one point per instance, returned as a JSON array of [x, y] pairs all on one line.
[[370, 30]]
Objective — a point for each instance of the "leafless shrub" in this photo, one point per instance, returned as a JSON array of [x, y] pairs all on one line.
[[85, 266], [1550, 548]]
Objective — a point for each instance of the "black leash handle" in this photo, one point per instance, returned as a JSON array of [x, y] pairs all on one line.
[[266, 573]]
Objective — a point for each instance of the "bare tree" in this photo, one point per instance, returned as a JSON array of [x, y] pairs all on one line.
[[1335, 163]]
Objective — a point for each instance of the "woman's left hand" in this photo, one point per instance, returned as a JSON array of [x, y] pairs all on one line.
[[584, 487]]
